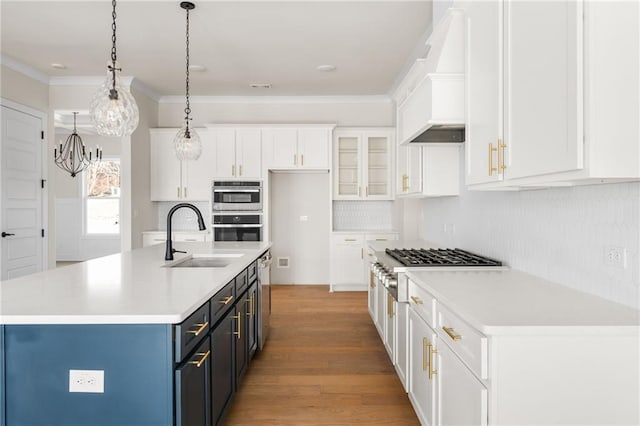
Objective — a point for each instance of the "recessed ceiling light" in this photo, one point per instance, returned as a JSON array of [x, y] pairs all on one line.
[[197, 68], [326, 68], [260, 85], [58, 66]]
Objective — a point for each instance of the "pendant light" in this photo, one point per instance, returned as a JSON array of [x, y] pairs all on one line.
[[113, 109], [187, 142], [72, 156]]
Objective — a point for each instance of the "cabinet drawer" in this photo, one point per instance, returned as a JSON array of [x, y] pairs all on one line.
[[347, 239], [468, 343], [222, 301], [241, 282], [382, 237], [191, 331], [190, 237], [252, 272], [423, 303]]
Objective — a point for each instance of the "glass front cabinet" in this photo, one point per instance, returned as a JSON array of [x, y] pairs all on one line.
[[362, 164]]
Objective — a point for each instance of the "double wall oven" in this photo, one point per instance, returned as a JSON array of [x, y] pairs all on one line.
[[237, 210]]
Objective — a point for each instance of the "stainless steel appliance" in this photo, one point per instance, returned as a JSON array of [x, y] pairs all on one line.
[[391, 265], [264, 295], [236, 196], [237, 227]]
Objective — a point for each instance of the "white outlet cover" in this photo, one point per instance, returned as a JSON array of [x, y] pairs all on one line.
[[86, 381], [304, 218]]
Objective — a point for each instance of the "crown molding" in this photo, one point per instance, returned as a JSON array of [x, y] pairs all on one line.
[[23, 69], [277, 99]]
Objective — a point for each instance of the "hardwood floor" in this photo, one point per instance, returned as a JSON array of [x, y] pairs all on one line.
[[324, 364]]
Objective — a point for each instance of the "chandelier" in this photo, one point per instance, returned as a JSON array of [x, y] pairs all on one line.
[[187, 142], [113, 109], [72, 156]]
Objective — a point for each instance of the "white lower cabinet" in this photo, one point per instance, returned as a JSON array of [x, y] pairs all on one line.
[[423, 376], [350, 258], [390, 325], [462, 397], [401, 353]]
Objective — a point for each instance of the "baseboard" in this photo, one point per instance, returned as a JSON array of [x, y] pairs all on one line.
[[348, 287]]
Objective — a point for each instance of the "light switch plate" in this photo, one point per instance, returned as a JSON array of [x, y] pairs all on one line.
[[88, 381]]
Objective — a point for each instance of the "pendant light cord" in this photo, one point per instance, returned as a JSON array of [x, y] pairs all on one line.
[[113, 93], [187, 109]]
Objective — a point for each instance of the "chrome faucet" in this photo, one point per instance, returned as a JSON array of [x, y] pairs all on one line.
[[168, 255]]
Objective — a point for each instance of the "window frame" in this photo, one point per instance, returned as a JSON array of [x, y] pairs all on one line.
[[85, 198]]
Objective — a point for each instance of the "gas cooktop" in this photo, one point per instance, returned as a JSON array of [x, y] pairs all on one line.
[[440, 257]]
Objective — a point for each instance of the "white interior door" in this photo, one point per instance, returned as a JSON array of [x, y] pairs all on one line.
[[21, 209]]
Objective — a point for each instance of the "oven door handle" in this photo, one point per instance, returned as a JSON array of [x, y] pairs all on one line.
[[259, 225], [236, 190]]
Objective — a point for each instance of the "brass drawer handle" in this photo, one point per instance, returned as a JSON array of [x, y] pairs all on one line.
[[381, 239], [204, 357], [416, 300], [201, 326], [226, 300], [432, 351], [501, 147], [239, 332], [350, 239], [451, 333]]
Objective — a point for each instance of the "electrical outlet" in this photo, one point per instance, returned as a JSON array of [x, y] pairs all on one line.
[[304, 218], [615, 256], [87, 381]]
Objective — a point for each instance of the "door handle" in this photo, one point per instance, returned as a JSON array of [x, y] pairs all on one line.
[[6, 234]]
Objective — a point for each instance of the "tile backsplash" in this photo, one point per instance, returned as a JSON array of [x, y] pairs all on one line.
[[183, 219], [362, 215], [559, 234]]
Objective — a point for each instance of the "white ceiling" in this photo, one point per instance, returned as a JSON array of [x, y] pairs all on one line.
[[239, 42]]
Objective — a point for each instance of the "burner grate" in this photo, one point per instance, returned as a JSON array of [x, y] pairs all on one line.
[[440, 257]]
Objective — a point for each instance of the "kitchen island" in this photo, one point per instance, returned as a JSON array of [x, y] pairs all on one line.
[[164, 345]]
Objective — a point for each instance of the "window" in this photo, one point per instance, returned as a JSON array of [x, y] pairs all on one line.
[[102, 197]]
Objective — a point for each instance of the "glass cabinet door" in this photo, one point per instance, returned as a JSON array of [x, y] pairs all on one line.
[[378, 180], [348, 159]]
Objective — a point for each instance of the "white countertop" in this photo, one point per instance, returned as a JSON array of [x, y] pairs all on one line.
[[126, 288], [513, 302]]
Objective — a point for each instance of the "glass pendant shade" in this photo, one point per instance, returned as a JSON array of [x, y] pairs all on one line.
[[114, 114], [187, 144]]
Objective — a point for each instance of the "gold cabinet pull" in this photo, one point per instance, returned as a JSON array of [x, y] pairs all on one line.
[[295, 160], [372, 282], [250, 314], [450, 331], [201, 361], [233, 170], [416, 300], [501, 147], [366, 191], [178, 191], [391, 313], [432, 352], [302, 159], [239, 332], [240, 167], [184, 192], [381, 239], [350, 239], [491, 150], [425, 346], [226, 300], [201, 326], [361, 253]]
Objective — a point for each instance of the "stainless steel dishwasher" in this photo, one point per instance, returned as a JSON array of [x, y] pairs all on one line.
[[264, 289]]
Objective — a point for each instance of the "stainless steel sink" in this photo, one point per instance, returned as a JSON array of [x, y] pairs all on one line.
[[220, 260]]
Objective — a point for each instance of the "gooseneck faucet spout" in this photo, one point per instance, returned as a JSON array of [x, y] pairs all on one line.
[[168, 255]]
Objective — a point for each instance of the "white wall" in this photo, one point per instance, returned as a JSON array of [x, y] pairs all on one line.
[[559, 234], [306, 243], [364, 216]]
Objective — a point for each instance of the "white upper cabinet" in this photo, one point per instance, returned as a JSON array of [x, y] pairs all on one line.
[[238, 152], [362, 161], [303, 147], [174, 180], [552, 93]]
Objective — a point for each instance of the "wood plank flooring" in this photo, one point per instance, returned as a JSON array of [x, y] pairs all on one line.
[[324, 364]]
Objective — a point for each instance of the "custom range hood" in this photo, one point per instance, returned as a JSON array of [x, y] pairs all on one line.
[[432, 110]]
